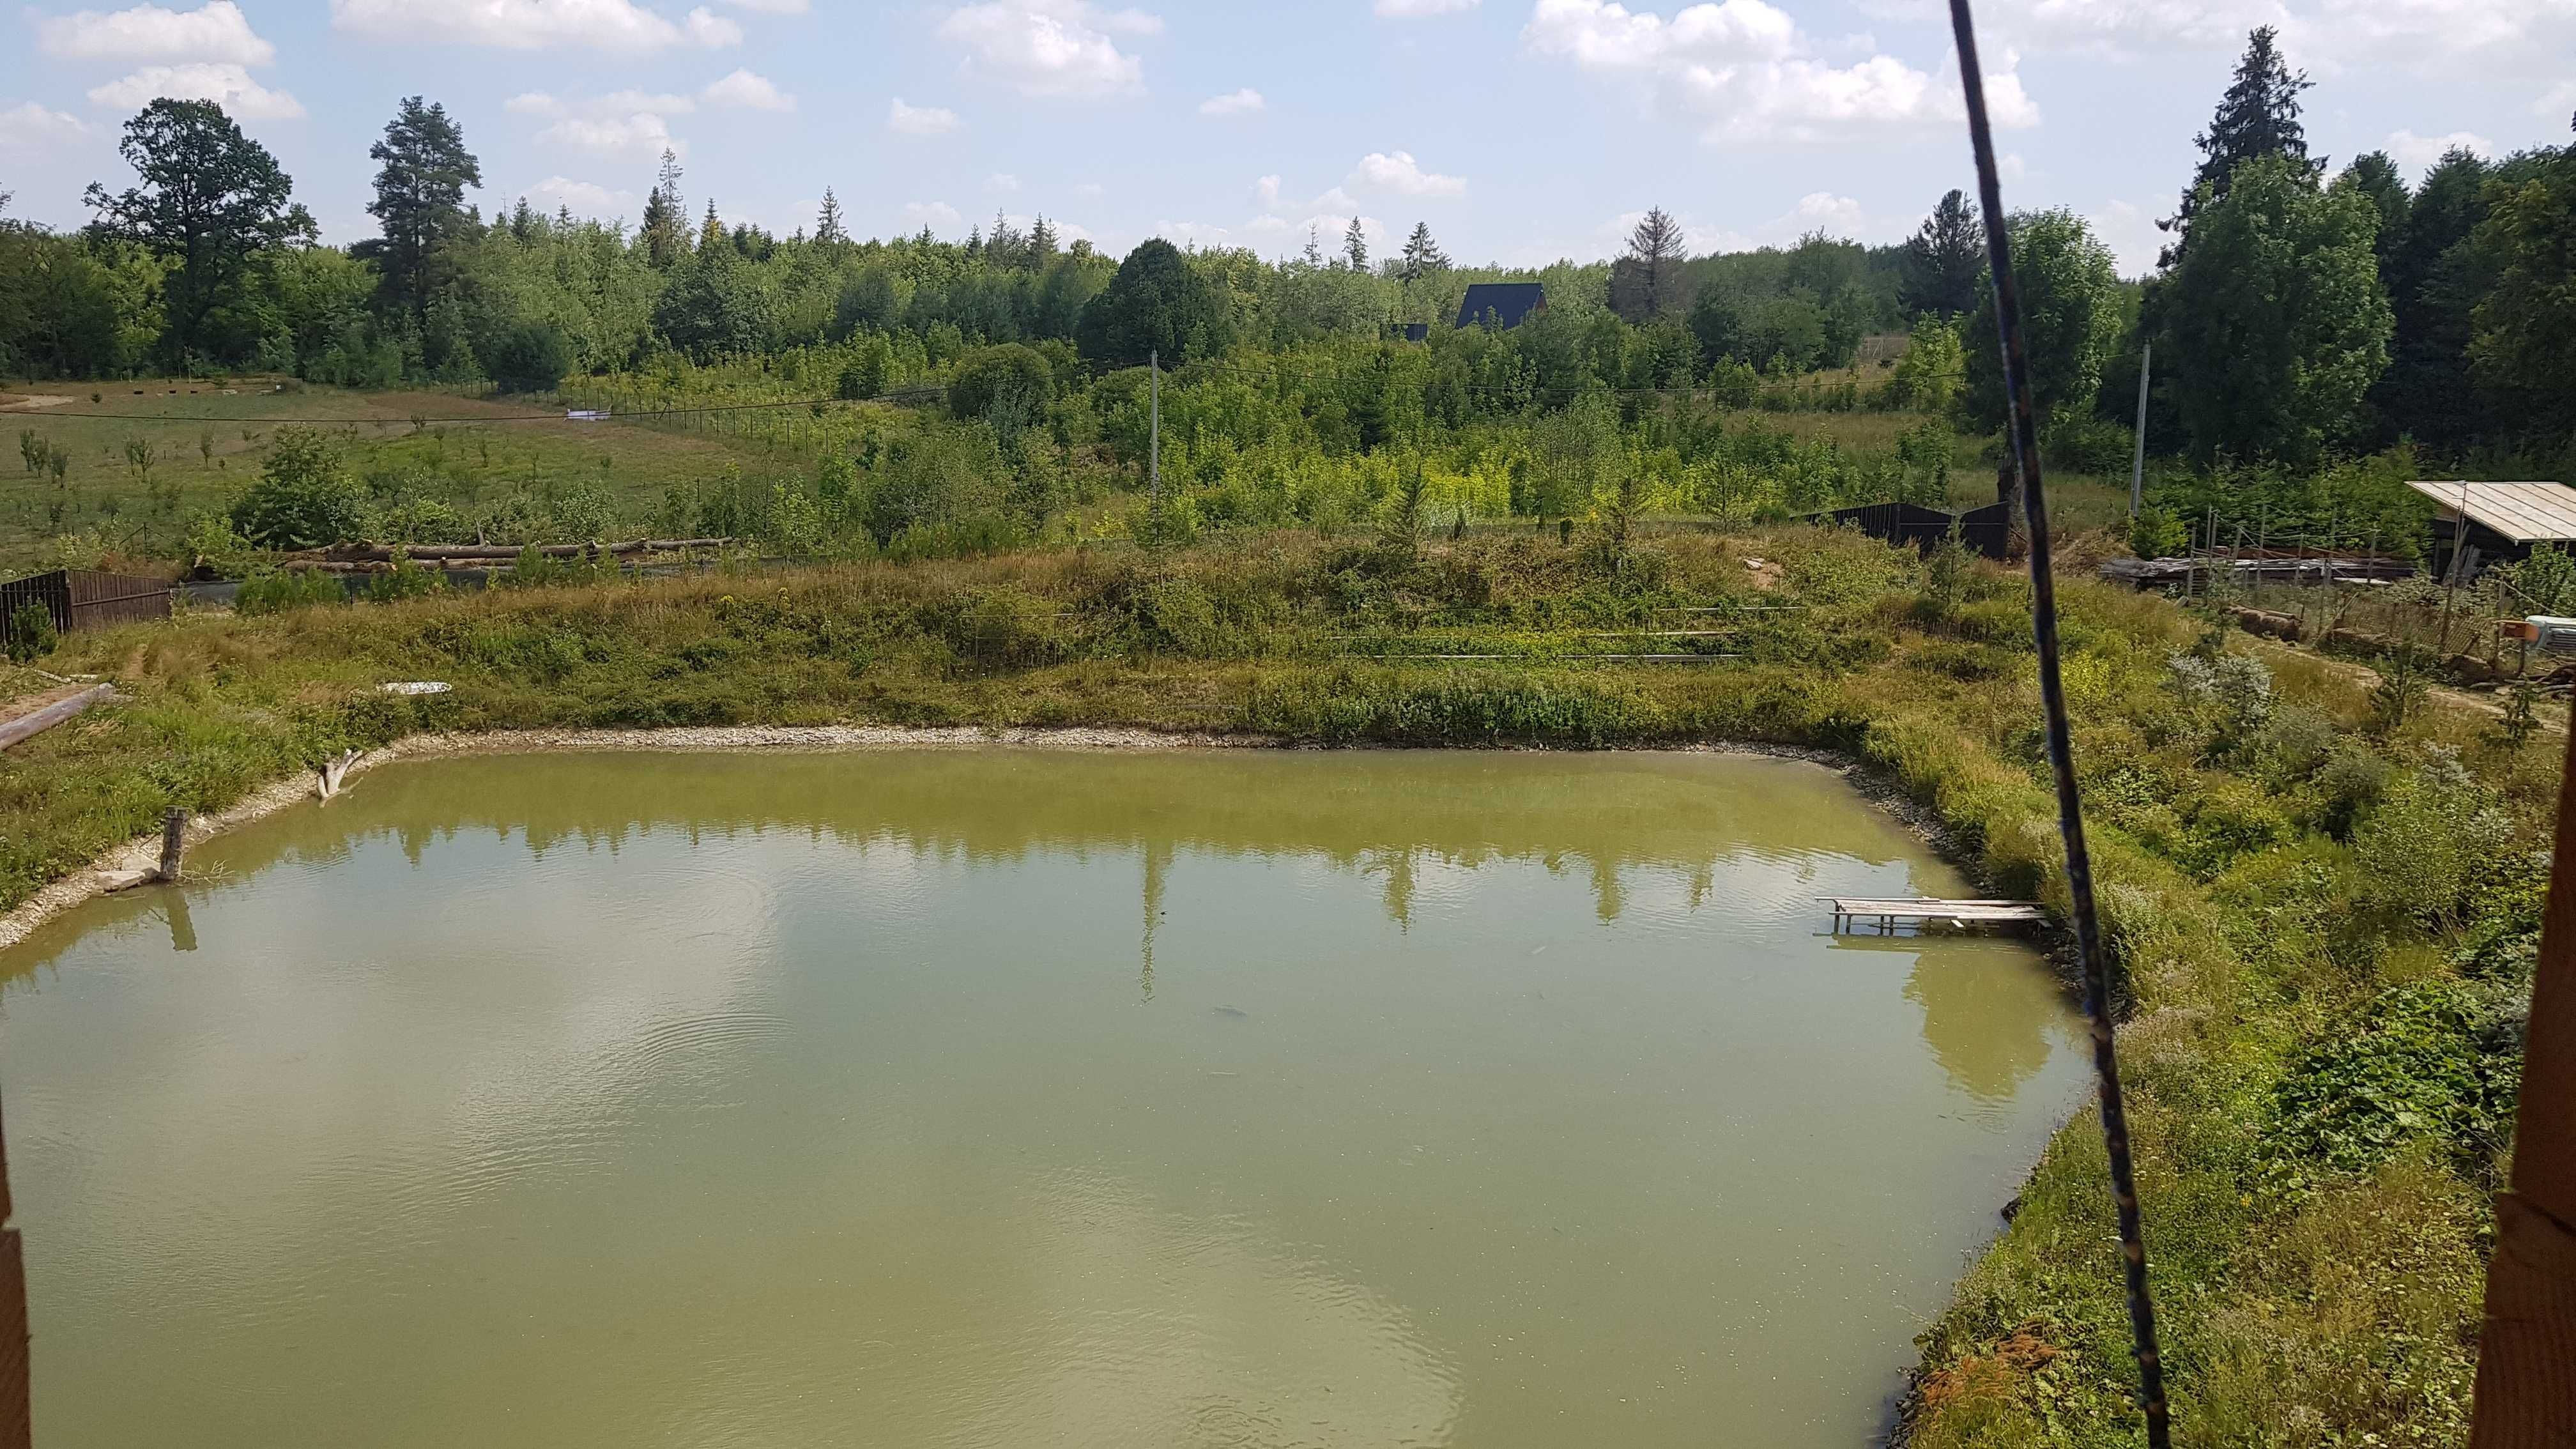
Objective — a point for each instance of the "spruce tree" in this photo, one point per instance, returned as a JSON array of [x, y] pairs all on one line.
[[2259, 116], [1945, 260], [1355, 246], [828, 231], [665, 232], [1422, 255], [1642, 282]]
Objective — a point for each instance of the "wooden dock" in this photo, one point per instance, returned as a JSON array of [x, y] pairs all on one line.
[[1851, 911]]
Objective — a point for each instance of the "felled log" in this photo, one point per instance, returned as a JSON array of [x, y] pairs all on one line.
[[423, 553], [36, 722]]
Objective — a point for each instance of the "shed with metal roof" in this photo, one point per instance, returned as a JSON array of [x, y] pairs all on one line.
[[2496, 521]]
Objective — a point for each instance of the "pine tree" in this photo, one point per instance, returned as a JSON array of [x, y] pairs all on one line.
[[828, 231], [2259, 116], [1945, 260], [420, 196], [1355, 246], [1042, 244], [665, 228], [1422, 255], [1642, 283]]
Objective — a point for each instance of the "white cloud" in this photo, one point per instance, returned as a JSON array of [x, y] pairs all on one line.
[[1001, 181], [1824, 211], [2526, 36], [29, 126], [744, 90], [1196, 235], [215, 32], [1402, 9], [1746, 70], [1062, 48], [627, 103], [906, 120], [932, 214], [2558, 101], [1233, 103], [227, 85], [532, 24], [1397, 172], [642, 133], [1091, 188], [2011, 167], [2132, 235], [1335, 199], [2418, 153], [774, 7], [533, 103], [711, 30], [584, 197], [1267, 189]]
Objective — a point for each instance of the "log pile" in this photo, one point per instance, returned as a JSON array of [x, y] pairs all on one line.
[[486, 555]]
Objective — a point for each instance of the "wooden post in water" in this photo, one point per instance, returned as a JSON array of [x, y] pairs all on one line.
[[2526, 1395], [174, 836]]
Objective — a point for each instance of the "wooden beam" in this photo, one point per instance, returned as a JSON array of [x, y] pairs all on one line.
[[36, 722], [2526, 1395], [16, 1431]]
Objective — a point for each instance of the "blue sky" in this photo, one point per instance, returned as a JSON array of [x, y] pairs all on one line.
[[1521, 130]]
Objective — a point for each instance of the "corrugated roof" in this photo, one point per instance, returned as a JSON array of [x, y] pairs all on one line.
[[2522, 512]]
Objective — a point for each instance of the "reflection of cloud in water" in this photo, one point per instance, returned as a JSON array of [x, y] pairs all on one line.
[[1165, 1329]]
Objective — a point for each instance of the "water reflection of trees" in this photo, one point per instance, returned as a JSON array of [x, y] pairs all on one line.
[[1386, 815], [1978, 1018]]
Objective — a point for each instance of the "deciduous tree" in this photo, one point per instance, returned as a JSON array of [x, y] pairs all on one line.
[[211, 198], [2275, 319]]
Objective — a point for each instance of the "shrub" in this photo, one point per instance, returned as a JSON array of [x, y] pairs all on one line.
[[304, 498], [31, 633], [1010, 379], [270, 592], [2434, 1060], [2154, 533], [531, 357], [405, 580]]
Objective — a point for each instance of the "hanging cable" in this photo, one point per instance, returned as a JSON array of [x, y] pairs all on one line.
[[2061, 750]]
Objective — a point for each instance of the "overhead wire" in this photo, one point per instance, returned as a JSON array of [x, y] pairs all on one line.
[[2024, 434]]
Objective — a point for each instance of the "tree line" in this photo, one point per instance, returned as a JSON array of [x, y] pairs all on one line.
[[2292, 317]]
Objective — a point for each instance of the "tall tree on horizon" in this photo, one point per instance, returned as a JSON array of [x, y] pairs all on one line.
[[1422, 255], [2259, 116], [1945, 259], [1355, 246], [666, 226], [1643, 282], [420, 203], [828, 230], [211, 197]]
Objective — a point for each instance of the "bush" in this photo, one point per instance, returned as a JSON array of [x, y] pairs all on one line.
[[304, 498], [2155, 533], [531, 357], [1010, 378], [267, 593], [2435, 1060], [31, 633], [405, 580]]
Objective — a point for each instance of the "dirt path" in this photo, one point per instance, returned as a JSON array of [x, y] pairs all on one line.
[[32, 401], [2553, 714]]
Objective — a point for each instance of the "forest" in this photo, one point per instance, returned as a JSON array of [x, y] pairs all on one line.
[[2316, 336]]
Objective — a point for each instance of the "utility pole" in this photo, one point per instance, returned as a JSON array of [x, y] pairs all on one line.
[[1154, 436], [2138, 463]]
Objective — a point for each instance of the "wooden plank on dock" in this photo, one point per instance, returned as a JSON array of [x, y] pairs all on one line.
[[1888, 913]]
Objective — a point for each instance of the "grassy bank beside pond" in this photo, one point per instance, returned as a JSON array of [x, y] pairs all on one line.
[[2323, 905]]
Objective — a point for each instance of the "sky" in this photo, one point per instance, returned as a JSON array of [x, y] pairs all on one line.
[[1521, 131]]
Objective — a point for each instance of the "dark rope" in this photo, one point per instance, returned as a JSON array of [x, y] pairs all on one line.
[[2061, 748]]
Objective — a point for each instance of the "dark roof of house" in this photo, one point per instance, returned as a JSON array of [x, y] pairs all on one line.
[[1510, 302]]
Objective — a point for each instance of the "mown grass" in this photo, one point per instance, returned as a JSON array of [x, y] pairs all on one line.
[[2322, 921]]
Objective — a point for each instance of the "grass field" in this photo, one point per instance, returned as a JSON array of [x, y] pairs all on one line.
[[207, 443]]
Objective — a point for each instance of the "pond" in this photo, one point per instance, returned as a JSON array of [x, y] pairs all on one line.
[[1016, 1098]]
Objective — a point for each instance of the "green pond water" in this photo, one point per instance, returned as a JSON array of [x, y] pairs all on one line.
[[1017, 1098]]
